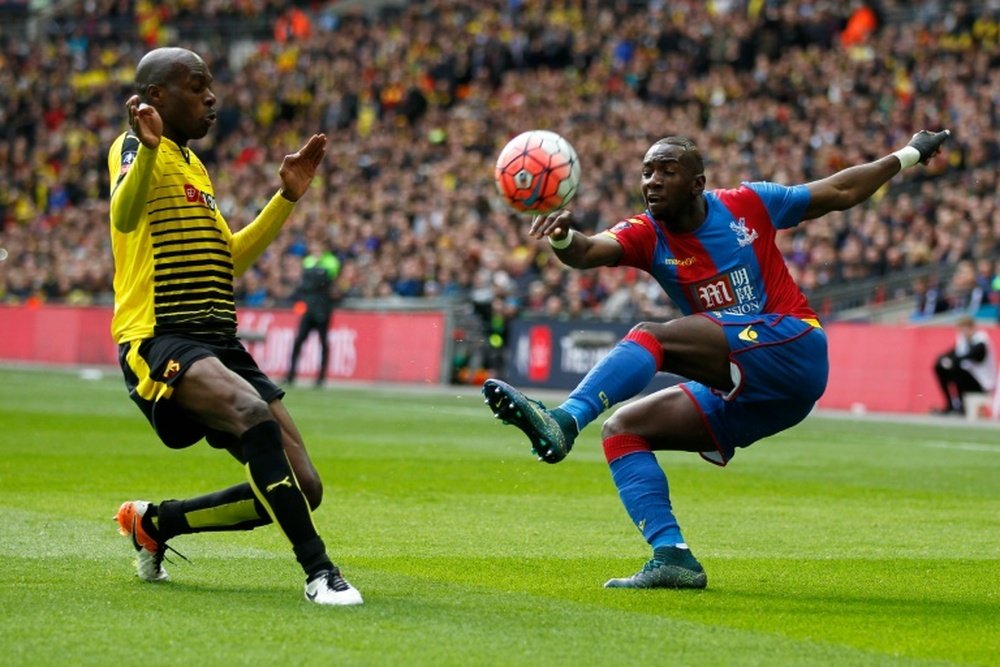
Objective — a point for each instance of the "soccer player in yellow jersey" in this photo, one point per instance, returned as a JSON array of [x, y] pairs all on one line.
[[175, 324]]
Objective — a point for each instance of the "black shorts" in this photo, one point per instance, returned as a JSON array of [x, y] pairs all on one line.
[[153, 366]]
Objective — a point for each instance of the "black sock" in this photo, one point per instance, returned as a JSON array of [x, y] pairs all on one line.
[[566, 423], [279, 492], [235, 508]]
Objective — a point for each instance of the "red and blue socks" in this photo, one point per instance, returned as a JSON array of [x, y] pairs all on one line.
[[619, 376], [643, 489]]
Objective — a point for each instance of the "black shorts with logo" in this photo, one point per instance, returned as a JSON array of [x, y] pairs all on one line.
[[152, 368]]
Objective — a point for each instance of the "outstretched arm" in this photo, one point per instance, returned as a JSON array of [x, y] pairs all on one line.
[[854, 185], [572, 248]]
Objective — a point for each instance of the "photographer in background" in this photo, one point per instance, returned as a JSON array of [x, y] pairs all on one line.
[[970, 366]]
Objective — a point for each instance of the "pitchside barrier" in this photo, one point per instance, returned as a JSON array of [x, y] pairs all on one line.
[[556, 354], [873, 368], [407, 341]]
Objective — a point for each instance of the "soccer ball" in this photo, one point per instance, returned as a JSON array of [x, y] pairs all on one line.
[[537, 172]]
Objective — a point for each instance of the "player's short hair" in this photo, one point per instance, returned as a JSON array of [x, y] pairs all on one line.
[[161, 66], [690, 156]]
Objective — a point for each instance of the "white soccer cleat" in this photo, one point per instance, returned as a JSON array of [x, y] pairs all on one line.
[[331, 588]]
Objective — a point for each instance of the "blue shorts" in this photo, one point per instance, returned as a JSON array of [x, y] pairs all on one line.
[[780, 367]]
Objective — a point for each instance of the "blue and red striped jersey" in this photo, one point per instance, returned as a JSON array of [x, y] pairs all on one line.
[[730, 263]]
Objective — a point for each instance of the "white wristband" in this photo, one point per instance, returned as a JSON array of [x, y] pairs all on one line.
[[907, 156], [564, 242]]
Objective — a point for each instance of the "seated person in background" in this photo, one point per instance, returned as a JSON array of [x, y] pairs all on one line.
[[930, 298], [970, 366], [964, 290]]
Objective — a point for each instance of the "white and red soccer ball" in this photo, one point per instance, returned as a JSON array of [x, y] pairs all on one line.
[[537, 172]]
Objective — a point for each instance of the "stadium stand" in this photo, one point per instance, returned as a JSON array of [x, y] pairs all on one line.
[[418, 97]]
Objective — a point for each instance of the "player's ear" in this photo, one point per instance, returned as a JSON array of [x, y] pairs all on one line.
[[698, 184], [152, 95]]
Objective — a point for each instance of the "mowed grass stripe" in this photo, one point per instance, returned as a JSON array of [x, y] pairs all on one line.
[[445, 624], [838, 542]]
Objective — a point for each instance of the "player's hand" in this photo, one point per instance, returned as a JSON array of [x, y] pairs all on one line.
[[928, 143], [297, 170], [145, 121], [555, 225]]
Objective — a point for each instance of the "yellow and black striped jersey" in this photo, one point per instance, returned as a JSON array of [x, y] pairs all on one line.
[[173, 269], [174, 252]]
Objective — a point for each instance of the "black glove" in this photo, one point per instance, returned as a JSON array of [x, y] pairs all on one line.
[[928, 143]]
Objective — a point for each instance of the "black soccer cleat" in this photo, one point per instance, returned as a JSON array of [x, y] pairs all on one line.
[[548, 440]]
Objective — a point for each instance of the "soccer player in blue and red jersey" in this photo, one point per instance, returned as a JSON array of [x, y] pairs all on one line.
[[752, 349]]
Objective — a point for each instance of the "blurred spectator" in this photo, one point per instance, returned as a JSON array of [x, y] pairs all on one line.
[[966, 291], [930, 298], [995, 291], [970, 366], [418, 97]]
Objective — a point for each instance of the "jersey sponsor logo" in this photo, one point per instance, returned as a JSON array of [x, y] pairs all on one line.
[[196, 196], [748, 335], [676, 261], [731, 292], [715, 293], [744, 235]]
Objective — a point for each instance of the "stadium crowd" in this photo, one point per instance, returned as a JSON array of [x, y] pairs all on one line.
[[418, 99]]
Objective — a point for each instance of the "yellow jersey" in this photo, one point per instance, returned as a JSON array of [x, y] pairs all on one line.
[[175, 256]]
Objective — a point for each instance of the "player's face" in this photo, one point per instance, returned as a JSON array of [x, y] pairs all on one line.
[[668, 184], [189, 104]]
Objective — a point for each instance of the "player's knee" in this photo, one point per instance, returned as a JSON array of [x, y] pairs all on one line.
[[618, 442], [649, 336], [625, 421], [312, 489], [614, 425], [250, 411], [653, 329]]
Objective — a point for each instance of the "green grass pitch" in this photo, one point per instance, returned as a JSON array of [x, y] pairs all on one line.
[[839, 542]]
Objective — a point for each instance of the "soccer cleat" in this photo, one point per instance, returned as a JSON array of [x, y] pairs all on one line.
[[670, 567], [548, 440], [331, 588], [148, 551]]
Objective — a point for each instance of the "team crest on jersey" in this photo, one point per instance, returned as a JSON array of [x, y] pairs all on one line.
[[732, 292], [744, 236], [194, 195]]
